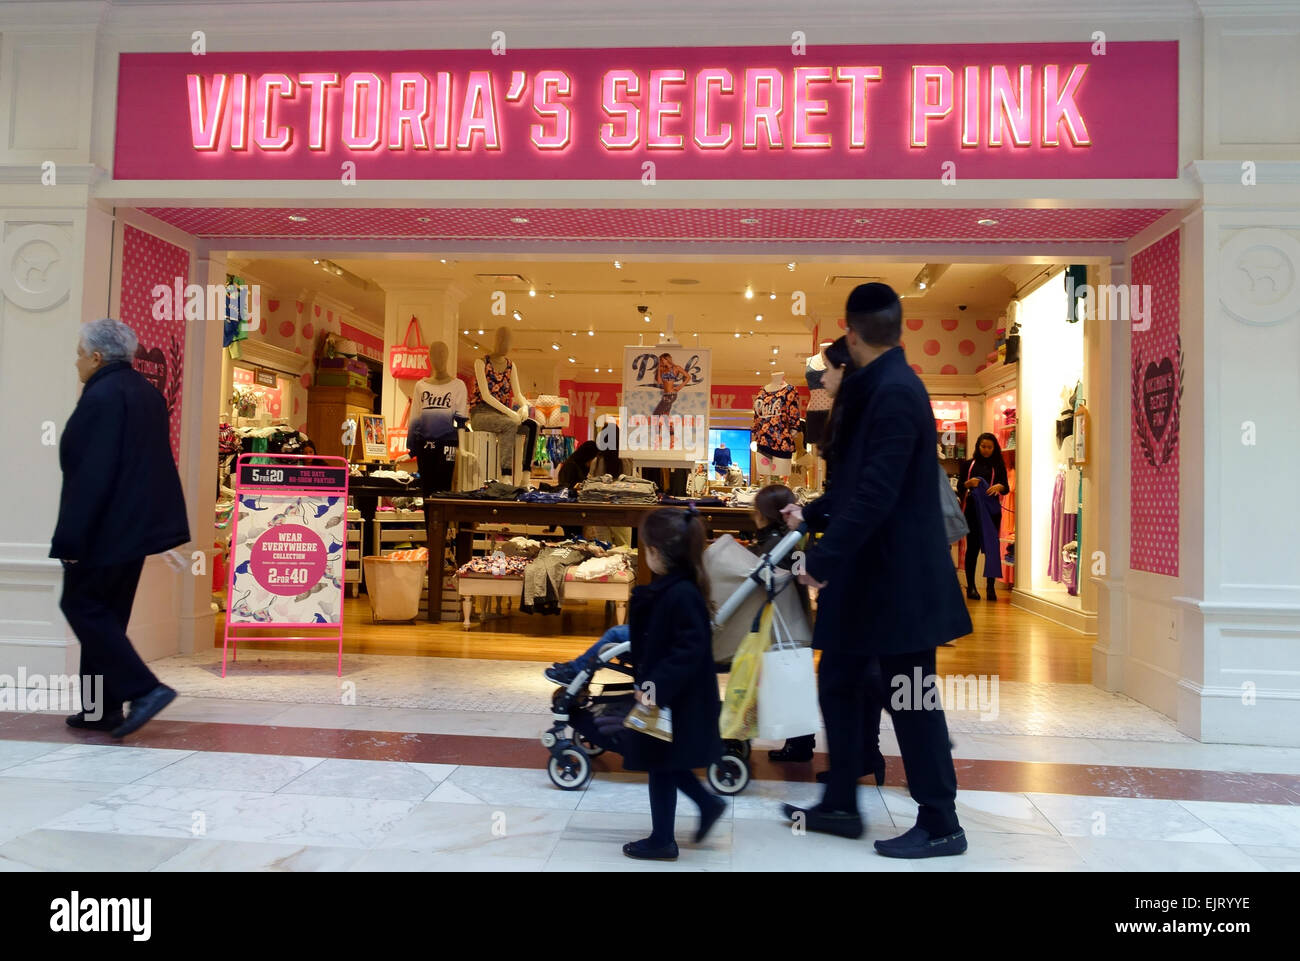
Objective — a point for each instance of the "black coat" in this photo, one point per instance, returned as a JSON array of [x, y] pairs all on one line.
[[121, 498], [891, 585], [672, 649]]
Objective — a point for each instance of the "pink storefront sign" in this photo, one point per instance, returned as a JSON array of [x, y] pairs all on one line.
[[906, 111]]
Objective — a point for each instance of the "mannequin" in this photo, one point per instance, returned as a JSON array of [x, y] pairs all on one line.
[[497, 404], [439, 406], [819, 401], [776, 420]]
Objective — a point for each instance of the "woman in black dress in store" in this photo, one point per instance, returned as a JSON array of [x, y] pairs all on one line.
[[981, 483]]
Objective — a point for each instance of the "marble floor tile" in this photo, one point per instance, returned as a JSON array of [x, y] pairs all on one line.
[[237, 816], [1123, 854], [685, 864], [208, 855], [27, 804], [477, 830], [763, 799], [1004, 851], [264, 773], [760, 845], [597, 837], [226, 710], [505, 787], [16, 752], [93, 762], [622, 793], [46, 850], [1142, 819], [395, 780], [425, 862], [1273, 858], [1262, 824], [976, 810]]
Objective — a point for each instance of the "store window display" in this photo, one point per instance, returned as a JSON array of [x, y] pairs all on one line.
[[819, 398], [497, 404], [982, 482], [440, 406], [776, 424]]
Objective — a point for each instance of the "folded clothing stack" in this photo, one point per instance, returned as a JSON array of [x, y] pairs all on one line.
[[743, 496], [805, 495], [491, 491], [518, 547], [625, 490], [613, 566], [561, 496], [496, 565]]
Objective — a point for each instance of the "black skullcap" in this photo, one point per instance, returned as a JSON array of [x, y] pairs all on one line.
[[871, 299]]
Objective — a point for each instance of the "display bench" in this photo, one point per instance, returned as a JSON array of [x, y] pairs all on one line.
[[440, 512]]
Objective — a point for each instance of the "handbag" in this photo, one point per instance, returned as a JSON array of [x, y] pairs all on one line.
[[787, 688], [397, 438], [407, 361], [739, 718], [954, 521]]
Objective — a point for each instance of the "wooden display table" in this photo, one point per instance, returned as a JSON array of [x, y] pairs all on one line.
[[617, 588], [439, 512]]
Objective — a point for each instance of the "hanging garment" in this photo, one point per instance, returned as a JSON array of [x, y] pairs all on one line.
[[989, 511], [1054, 549], [776, 421]]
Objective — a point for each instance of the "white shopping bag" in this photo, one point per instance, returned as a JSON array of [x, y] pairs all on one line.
[[787, 688]]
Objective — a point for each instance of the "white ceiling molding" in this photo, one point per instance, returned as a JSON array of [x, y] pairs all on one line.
[[261, 354]]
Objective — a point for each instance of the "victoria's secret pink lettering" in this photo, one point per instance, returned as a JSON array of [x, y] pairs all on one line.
[[663, 109]]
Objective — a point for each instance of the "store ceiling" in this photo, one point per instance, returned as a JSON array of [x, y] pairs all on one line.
[[589, 308]]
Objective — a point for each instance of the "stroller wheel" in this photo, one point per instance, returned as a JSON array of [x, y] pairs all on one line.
[[729, 774], [586, 746], [738, 748], [569, 770]]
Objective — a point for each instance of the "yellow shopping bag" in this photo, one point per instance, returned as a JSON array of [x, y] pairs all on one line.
[[740, 708]]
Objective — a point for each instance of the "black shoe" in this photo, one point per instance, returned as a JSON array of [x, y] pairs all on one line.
[[561, 673], [845, 824], [992, 593], [917, 843], [710, 818], [643, 850], [795, 754], [105, 723], [972, 594], [143, 709]]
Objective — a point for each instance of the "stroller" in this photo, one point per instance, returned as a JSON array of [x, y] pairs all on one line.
[[588, 718]]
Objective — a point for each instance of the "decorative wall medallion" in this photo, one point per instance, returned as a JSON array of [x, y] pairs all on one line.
[[34, 266], [1259, 276]]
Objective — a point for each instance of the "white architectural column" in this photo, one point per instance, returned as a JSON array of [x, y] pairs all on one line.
[[1242, 518], [437, 312]]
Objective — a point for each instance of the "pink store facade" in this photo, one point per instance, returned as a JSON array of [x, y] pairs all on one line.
[[147, 142]]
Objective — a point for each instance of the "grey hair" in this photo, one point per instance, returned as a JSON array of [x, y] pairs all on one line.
[[114, 340]]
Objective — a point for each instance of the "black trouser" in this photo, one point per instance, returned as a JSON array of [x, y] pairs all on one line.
[[438, 463], [664, 786], [875, 703], [844, 680], [851, 695], [97, 603]]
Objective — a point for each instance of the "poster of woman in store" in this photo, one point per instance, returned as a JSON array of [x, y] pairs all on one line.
[[663, 389], [375, 431]]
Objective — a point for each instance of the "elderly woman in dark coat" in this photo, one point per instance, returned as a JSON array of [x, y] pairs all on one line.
[[671, 632]]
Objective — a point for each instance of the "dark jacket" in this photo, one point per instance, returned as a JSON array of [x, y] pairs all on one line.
[[122, 496], [891, 585], [995, 472], [672, 649]]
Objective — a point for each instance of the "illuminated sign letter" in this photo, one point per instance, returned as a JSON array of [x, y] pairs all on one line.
[[767, 112], [262, 121], [857, 78], [442, 119], [551, 84], [926, 108], [414, 116], [1008, 108], [1059, 105], [207, 106], [614, 107], [970, 117], [805, 107], [239, 112], [316, 83], [704, 80], [661, 106], [479, 113], [362, 92]]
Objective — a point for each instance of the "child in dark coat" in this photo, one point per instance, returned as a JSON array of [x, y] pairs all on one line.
[[671, 631]]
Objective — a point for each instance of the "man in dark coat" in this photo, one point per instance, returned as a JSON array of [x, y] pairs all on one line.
[[888, 586], [121, 502]]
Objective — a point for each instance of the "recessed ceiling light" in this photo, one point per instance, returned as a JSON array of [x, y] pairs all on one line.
[[921, 285], [618, 265], [532, 291], [519, 220], [572, 360], [555, 346], [749, 293], [861, 220], [759, 318], [772, 295], [316, 260], [772, 362], [749, 220], [518, 315], [480, 331], [826, 343], [751, 333], [465, 332], [986, 222], [476, 346], [738, 335], [422, 220], [298, 218], [442, 260], [573, 333], [756, 373], [776, 350], [789, 266], [551, 295], [590, 332]]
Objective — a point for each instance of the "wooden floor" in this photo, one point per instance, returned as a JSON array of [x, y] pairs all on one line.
[[1014, 644]]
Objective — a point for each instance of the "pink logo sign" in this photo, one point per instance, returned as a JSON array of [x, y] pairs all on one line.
[[1004, 111], [288, 560]]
